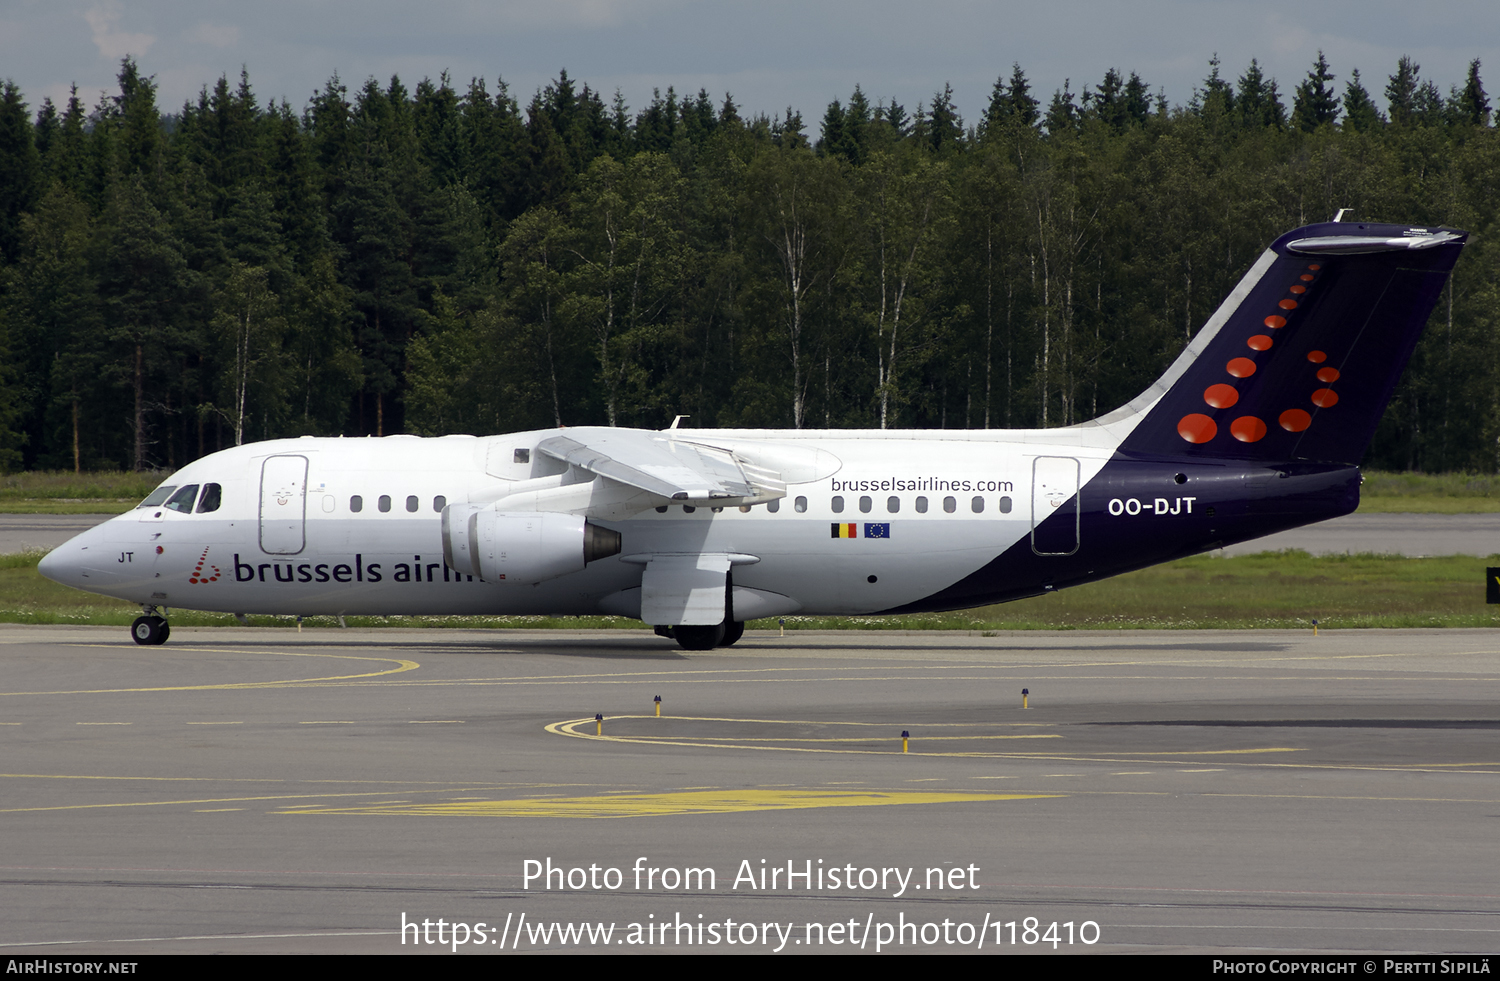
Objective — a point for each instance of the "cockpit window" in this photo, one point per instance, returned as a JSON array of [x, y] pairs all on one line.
[[183, 499], [212, 493], [158, 496]]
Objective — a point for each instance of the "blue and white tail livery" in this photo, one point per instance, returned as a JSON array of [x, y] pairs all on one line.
[[1257, 427]]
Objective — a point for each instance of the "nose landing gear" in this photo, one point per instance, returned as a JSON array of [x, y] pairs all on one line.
[[150, 629]]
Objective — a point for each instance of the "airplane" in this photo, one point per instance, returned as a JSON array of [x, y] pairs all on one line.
[[1257, 427]]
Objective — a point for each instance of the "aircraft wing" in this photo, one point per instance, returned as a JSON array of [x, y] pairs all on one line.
[[669, 468]]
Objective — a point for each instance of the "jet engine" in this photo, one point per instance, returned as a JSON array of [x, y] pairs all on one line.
[[521, 547]]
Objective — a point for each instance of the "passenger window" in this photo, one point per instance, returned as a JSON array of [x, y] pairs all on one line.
[[978, 505], [439, 502], [182, 501], [774, 506], [921, 505], [384, 503], [865, 504], [893, 504], [156, 497], [950, 504], [1005, 505], [838, 505], [523, 455], [412, 504], [212, 494], [356, 504], [800, 505]]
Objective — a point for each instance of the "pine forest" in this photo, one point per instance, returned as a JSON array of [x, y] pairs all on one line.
[[452, 258]]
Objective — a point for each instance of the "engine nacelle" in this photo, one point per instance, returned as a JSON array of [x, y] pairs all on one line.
[[521, 547]]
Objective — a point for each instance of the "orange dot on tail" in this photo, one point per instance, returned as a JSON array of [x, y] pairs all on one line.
[[1325, 398], [1247, 429], [1316, 357], [1306, 277], [1274, 322], [1241, 367], [1315, 268], [1295, 420], [1260, 342], [1299, 289], [1287, 304], [1197, 428], [1328, 375], [1221, 396]]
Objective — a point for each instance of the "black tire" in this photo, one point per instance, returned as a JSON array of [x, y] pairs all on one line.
[[699, 638], [732, 632], [149, 631]]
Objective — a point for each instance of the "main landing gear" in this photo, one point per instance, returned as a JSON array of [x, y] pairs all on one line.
[[703, 638], [150, 629]]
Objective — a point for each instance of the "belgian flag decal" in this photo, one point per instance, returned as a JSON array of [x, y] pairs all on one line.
[[841, 530]]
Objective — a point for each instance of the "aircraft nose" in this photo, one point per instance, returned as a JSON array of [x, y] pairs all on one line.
[[55, 567]]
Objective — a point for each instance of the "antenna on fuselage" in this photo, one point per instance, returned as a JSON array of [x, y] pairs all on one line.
[[1342, 213], [676, 420]]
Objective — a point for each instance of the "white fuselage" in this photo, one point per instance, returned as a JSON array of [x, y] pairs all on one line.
[[927, 509]]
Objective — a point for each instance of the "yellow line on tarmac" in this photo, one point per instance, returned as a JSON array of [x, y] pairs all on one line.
[[402, 664], [695, 802]]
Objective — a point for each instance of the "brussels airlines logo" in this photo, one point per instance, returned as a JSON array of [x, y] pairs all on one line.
[[198, 574]]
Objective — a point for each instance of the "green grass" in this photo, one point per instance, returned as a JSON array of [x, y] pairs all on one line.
[[1269, 590], [64, 492], [1429, 493]]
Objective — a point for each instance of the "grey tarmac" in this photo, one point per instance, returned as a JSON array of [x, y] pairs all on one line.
[[261, 790]]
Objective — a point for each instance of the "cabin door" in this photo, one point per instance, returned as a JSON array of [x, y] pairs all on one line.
[[283, 505]]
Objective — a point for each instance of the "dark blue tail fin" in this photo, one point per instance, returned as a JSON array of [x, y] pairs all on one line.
[[1301, 359]]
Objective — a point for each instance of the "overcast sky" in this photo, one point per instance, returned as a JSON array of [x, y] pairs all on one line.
[[770, 53]]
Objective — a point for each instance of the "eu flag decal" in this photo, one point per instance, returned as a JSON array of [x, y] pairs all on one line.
[[879, 529], [841, 530]]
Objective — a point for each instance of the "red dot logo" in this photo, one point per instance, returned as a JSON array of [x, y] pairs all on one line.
[[1328, 375], [1241, 367], [198, 575], [1260, 342], [1316, 357], [1295, 420], [1197, 428], [1306, 277], [1247, 429], [1287, 304], [1275, 322], [1221, 396], [1315, 268], [1325, 398], [1299, 289]]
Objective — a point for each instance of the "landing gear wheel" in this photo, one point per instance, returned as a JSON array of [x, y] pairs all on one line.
[[732, 632], [150, 631], [699, 638]]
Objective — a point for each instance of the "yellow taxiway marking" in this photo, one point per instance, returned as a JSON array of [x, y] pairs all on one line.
[[402, 664], [693, 802]]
